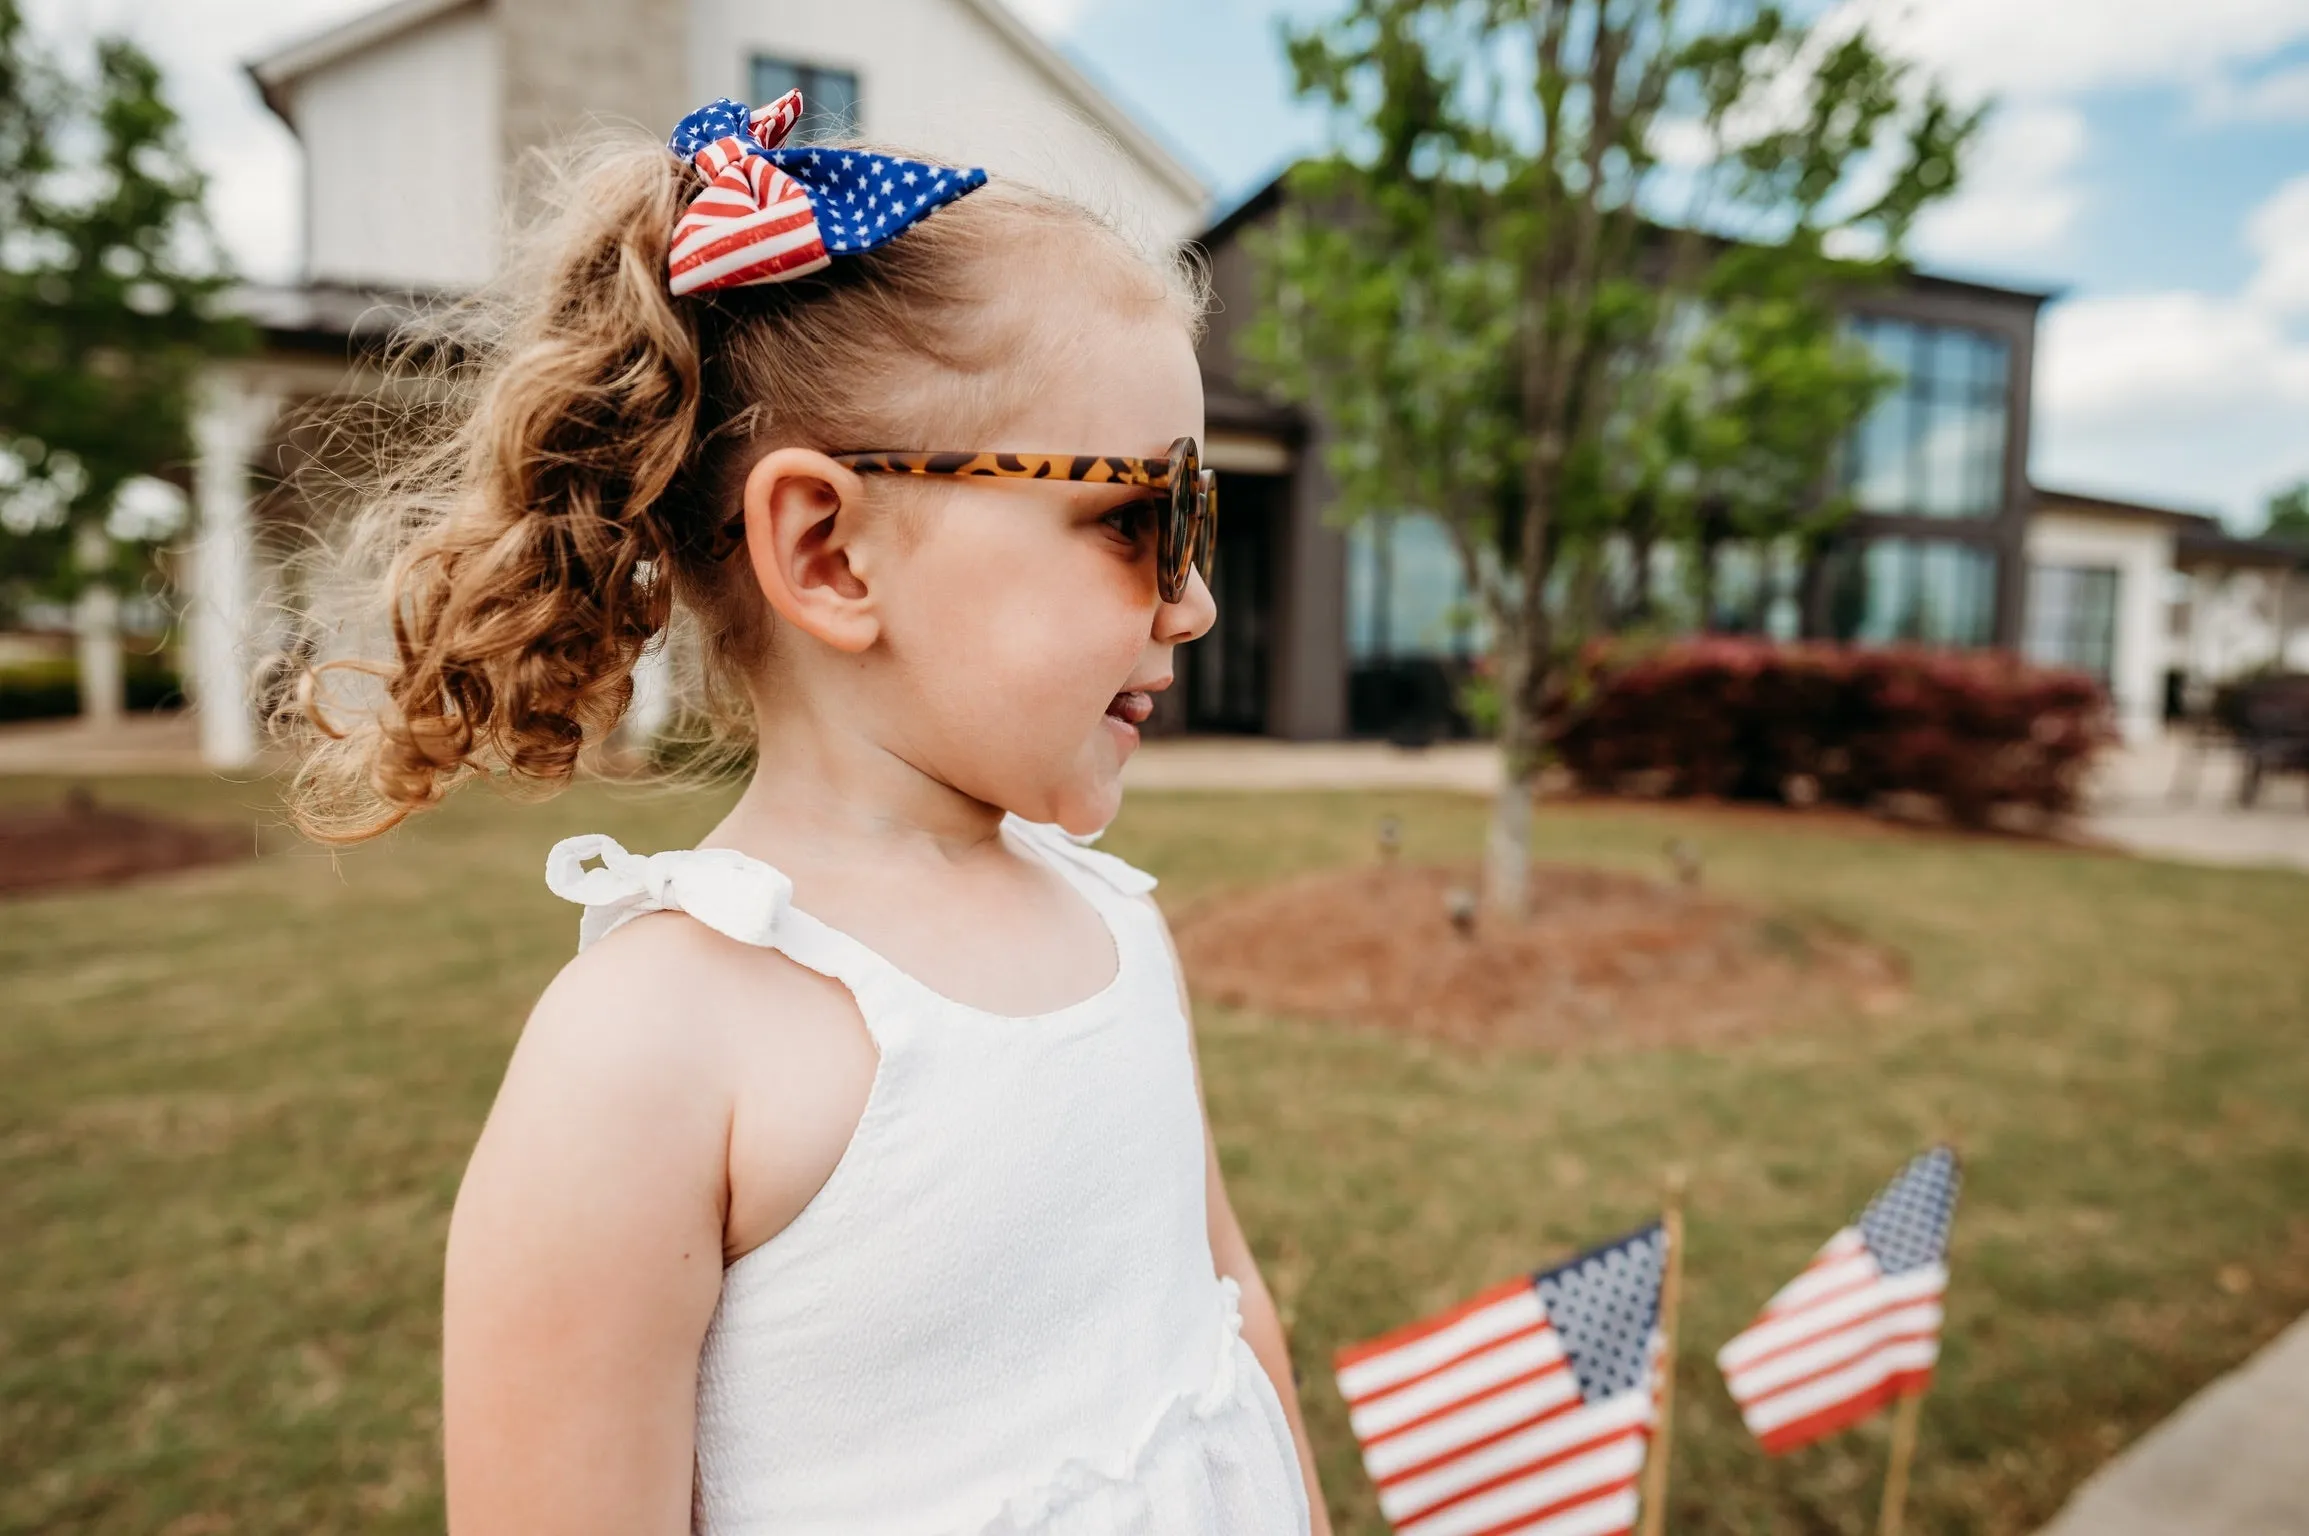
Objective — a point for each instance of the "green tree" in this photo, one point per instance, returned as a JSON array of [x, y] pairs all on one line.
[[108, 280], [2289, 512], [1564, 278]]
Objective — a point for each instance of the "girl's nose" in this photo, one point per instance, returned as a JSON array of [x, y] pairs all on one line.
[[1189, 618]]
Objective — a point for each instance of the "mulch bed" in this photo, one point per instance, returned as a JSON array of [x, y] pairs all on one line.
[[1604, 959], [84, 843]]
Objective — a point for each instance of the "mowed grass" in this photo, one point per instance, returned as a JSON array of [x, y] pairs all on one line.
[[234, 1105]]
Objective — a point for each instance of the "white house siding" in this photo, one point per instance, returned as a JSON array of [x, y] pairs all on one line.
[[2141, 553], [937, 77], [2233, 619], [403, 159]]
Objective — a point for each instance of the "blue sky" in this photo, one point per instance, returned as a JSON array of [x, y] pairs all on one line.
[[2150, 161]]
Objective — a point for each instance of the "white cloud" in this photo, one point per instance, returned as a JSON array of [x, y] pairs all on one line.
[[2178, 360], [2019, 196], [2199, 398], [2279, 96], [1052, 18], [2277, 233], [2023, 49]]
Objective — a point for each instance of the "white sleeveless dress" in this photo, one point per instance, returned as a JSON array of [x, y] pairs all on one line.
[[1000, 1314]]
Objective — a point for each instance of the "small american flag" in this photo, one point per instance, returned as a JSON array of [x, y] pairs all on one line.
[[1526, 1409], [1861, 1326]]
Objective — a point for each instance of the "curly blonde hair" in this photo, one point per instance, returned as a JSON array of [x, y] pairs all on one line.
[[562, 478]]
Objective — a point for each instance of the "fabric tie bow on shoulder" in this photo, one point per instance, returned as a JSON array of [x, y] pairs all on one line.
[[770, 213], [730, 893]]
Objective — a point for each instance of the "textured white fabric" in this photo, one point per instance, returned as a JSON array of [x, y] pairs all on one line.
[[999, 1316]]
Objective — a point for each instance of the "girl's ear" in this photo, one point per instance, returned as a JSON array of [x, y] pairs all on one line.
[[802, 538]]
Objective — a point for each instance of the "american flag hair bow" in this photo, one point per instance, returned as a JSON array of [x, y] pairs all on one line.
[[769, 213]]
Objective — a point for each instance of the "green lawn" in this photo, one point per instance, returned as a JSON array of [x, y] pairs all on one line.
[[234, 1106]]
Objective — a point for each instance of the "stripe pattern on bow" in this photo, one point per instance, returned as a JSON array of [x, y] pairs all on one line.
[[737, 896], [769, 214]]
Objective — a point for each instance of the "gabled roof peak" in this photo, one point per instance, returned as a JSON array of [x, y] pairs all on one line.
[[275, 71]]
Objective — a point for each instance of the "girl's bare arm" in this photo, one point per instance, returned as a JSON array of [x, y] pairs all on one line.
[[1262, 1328], [585, 1257]]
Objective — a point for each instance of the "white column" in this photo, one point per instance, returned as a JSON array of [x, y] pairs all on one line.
[[229, 425], [96, 632], [96, 635], [652, 708]]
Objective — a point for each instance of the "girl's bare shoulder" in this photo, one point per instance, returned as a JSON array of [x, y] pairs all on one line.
[[667, 1000], [668, 1031]]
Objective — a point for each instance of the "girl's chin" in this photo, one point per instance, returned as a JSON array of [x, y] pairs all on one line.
[[1088, 804], [1122, 733]]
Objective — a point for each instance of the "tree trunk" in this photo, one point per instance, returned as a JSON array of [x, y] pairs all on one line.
[[96, 624], [1507, 842], [1640, 540], [1527, 654]]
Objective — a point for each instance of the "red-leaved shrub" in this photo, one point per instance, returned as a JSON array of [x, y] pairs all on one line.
[[1759, 719]]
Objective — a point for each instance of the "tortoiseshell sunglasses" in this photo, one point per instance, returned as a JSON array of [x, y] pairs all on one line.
[[1183, 536]]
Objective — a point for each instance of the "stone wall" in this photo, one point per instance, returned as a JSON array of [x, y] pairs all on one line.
[[571, 65]]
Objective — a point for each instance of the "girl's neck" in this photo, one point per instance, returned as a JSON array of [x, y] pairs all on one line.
[[823, 796]]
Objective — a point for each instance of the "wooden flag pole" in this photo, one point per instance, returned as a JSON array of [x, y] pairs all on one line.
[[1655, 1497], [1896, 1470]]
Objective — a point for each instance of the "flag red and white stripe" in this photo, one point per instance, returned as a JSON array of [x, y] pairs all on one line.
[[752, 222], [1491, 1418], [1860, 1327]]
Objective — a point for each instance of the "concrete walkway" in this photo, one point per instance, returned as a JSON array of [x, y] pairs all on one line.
[[1262, 762], [2171, 799], [135, 744], [2233, 1462]]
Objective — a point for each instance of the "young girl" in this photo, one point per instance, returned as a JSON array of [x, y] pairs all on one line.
[[854, 1175]]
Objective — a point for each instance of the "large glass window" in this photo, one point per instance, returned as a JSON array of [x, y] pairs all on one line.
[[2072, 617], [1405, 596], [1933, 591], [829, 96], [1754, 591], [1935, 443]]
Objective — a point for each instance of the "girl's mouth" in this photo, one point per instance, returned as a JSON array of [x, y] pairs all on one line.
[[1131, 707]]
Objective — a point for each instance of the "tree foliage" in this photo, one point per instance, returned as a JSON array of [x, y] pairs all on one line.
[[108, 277], [1565, 282], [2289, 512]]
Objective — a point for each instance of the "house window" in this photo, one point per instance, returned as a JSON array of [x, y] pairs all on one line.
[[1929, 591], [829, 96], [1753, 589], [1405, 593], [1934, 445], [2072, 617]]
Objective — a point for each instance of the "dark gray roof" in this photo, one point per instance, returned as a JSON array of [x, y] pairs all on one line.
[[2198, 546], [2047, 499], [1259, 203]]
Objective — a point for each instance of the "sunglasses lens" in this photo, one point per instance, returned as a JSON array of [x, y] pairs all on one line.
[[1206, 521], [1175, 552]]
